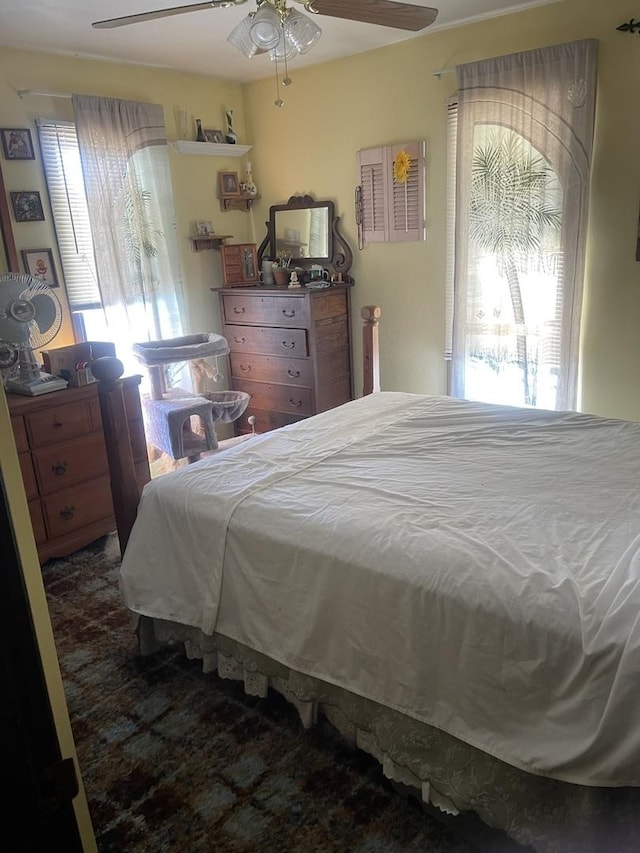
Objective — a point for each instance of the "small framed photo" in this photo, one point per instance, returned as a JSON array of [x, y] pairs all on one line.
[[203, 228], [39, 264], [27, 206], [17, 144], [213, 135], [229, 184]]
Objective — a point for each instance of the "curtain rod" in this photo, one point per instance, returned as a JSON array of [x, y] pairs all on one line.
[[440, 71], [22, 92]]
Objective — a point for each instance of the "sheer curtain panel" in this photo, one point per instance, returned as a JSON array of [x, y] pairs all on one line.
[[523, 152], [125, 163]]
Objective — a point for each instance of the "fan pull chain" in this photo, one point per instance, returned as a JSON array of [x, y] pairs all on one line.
[[278, 101], [286, 81]]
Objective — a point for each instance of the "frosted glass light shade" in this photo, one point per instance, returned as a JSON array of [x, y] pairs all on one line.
[[240, 37], [265, 28], [283, 50], [301, 31]]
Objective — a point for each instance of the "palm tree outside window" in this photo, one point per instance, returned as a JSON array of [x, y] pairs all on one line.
[[522, 152]]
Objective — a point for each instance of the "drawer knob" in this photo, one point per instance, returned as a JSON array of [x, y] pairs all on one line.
[[57, 424], [247, 368], [288, 313], [288, 344], [67, 512], [294, 374], [59, 468], [237, 310], [295, 403], [239, 340]]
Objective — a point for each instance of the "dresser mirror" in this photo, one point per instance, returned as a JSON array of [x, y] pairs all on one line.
[[306, 231]]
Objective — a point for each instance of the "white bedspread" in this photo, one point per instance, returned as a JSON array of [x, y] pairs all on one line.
[[475, 567]]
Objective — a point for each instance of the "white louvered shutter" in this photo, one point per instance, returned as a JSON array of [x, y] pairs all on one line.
[[61, 159], [373, 186], [406, 208]]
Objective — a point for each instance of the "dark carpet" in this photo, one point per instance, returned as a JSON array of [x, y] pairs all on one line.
[[174, 760]]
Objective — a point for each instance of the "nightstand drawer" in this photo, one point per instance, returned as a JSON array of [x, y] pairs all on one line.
[[284, 398], [63, 465], [77, 507], [287, 311], [59, 423], [265, 368], [267, 341]]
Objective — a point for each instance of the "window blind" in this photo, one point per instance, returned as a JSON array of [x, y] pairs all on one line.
[[63, 170]]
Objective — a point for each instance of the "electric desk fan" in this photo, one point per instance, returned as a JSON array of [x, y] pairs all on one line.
[[30, 318]]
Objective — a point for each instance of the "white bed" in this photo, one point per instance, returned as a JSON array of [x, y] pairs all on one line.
[[456, 585]]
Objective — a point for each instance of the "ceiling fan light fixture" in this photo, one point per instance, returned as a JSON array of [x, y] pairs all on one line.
[[265, 27], [240, 37], [283, 50], [301, 31]]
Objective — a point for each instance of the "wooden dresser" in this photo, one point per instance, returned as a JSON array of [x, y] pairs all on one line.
[[290, 350], [62, 454]]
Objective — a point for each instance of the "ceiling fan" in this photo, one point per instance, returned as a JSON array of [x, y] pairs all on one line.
[[284, 32], [385, 13]]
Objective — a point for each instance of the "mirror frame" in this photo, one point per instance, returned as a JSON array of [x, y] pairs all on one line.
[[339, 257], [8, 242]]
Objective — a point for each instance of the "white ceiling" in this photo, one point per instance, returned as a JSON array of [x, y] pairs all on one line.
[[196, 41]]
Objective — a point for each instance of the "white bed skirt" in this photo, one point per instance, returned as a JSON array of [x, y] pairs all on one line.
[[548, 815]]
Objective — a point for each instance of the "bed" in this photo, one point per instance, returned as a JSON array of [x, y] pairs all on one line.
[[455, 585]]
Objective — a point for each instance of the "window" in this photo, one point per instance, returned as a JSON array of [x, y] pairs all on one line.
[[519, 157]]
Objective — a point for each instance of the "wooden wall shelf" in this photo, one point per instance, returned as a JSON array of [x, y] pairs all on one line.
[[211, 149], [214, 241], [235, 202]]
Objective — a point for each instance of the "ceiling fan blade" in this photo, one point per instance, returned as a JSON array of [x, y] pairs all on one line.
[[163, 13], [385, 13]]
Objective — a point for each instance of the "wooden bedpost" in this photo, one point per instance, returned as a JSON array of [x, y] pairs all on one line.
[[125, 490], [370, 349]]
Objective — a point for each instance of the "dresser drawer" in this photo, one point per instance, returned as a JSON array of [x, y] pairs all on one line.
[[284, 398], [289, 311], [60, 423], [265, 368], [267, 341], [72, 509], [265, 421], [64, 465]]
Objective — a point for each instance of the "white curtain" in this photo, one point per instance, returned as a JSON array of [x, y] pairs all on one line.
[[125, 163], [524, 137]]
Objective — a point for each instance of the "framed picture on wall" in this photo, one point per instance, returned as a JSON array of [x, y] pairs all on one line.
[[16, 143], [27, 206], [213, 135], [39, 264], [229, 184]]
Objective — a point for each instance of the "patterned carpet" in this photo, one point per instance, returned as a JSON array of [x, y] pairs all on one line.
[[174, 760]]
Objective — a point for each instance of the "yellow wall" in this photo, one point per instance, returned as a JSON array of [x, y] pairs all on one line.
[[389, 96], [17, 502], [310, 145]]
